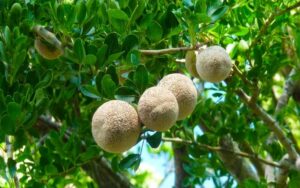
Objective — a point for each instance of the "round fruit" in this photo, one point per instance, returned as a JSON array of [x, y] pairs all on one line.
[[158, 109], [184, 90], [190, 63], [213, 64], [46, 50], [115, 126]]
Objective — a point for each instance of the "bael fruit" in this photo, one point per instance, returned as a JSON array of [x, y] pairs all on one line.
[[158, 109], [184, 90], [115, 126], [46, 43], [46, 50], [213, 64]]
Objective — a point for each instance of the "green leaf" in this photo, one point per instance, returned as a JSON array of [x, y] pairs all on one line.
[[123, 3], [130, 42], [7, 37], [90, 153], [138, 11], [108, 86], [154, 31], [154, 140], [112, 71], [18, 60], [90, 59], [90, 91], [2, 165], [99, 80], [114, 57], [79, 49], [131, 161], [112, 43], [201, 6], [297, 42], [50, 169], [8, 125], [239, 31], [117, 14], [2, 55], [126, 93], [11, 164], [219, 13], [81, 12], [141, 77], [134, 57], [46, 80], [101, 54], [60, 13], [14, 110]]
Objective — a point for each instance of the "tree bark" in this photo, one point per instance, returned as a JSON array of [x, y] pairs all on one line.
[[101, 172], [179, 154], [239, 167]]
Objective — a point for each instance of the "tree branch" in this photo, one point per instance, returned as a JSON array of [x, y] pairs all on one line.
[[271, 123], [239, 73], [221, 149], [258, 165], [268, 22], [179, 155], [167, 51], [287, 92], [240, 168]]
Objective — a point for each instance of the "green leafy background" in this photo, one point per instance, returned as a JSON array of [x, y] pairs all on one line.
[[102, 62]]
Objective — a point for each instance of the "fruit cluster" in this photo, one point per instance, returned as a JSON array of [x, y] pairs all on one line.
[[116, 125]]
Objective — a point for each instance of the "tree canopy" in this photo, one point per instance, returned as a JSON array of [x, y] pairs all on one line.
[[61, 60]]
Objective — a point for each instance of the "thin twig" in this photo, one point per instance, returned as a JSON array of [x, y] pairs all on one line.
[[180, 61], [271, 123], [220, 149], [239, 73], [268, 22], [167, 51]]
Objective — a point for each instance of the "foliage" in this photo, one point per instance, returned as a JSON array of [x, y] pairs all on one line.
[[102, 61]]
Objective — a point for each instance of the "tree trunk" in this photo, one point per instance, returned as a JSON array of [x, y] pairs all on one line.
[[179, 155], [101, 172]]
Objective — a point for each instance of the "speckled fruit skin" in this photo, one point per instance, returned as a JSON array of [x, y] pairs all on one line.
[[213, 64], [158, 109], [190, 63], [115, 126], [45, 51], [184, 90]]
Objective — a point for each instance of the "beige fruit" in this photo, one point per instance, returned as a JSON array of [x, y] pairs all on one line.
[[184, 90], [46, 43], [158, 109], [115, 126], [213, 64], [47, 51], [190, 63]]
